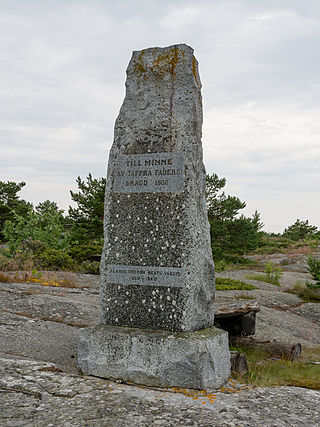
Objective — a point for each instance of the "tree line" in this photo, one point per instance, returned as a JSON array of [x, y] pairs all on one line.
[[51, 239]]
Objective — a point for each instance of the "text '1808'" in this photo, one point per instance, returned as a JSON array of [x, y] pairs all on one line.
[[155, 173]]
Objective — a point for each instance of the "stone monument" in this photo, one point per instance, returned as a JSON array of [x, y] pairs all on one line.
[[157, 273]]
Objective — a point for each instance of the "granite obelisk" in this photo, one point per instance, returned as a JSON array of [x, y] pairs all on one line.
[[157, 273]]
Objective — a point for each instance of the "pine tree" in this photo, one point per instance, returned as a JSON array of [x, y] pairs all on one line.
[[10, 203], [87, 218], [230, 233]]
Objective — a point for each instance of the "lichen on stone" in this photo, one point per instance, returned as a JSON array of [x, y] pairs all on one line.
[[165, 62]]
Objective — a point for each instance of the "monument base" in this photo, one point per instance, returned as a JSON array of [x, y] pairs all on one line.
[[198, 360]]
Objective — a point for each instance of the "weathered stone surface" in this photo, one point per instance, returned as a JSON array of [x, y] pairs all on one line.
[[199, 360], [32, 337], [309, 310], [286, 327], [40, 340], [34, 394], [268, 298], [55, 304], [157, 269]]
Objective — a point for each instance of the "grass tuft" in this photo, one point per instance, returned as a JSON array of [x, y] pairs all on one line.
[[245, 296], [307, 294], [266, 372], [262, 278], [5, 278]]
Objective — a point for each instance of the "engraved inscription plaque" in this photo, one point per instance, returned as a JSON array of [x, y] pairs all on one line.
[[156, 173], [145, 275]]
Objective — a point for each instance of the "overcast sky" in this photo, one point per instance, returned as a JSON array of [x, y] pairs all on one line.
[[62, 76]]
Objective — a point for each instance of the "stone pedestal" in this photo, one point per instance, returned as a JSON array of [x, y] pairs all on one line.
[[198, 360]]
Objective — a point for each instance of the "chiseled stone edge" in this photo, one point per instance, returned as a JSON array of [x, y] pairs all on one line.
[[198, 360]]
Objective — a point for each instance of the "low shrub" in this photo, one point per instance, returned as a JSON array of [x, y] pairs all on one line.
[[6, 263], [305, 292], [90, 267], [33, 246], [5, 277], [314, 268], [220, 265], [238, 260], [262, 278], [273, 273], [227, 284], [265, 372], [235, 262], [21, 260], [54, 259], [84, 251], [312, 285]]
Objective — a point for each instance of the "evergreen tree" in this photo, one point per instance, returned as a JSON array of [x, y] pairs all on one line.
[[10, 203], [87, 218], [301, 230], [220, 206], [44, 224], [230, 234]]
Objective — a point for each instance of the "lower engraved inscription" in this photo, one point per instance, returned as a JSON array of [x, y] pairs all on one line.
[[158, 172], [145, 275]]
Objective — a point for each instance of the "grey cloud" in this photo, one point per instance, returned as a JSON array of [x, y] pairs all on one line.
[[62, 73]]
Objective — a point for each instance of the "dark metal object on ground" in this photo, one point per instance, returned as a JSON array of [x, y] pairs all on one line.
[[237, 319]]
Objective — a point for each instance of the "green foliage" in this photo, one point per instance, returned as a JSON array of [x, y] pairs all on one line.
[[87, 218], [48, 208], [36, 274], [21, 259], [273, 273], [305, 292], [90, 267], [84, 251], [300, 230], [271, 244], [234, 262], [237, 260], [262, 278], [265, 372], [314, 268], [230, 234], [313, 286], [55, 259], [236, 236], [44, 224], [220, 206], [226, 284], [17, 262], [220, 265], [10, 203]]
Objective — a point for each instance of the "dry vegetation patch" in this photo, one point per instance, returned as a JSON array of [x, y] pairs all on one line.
[[265, 372], [46, 278]]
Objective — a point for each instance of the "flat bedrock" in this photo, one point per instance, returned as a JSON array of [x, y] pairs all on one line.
[[35, 394]]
